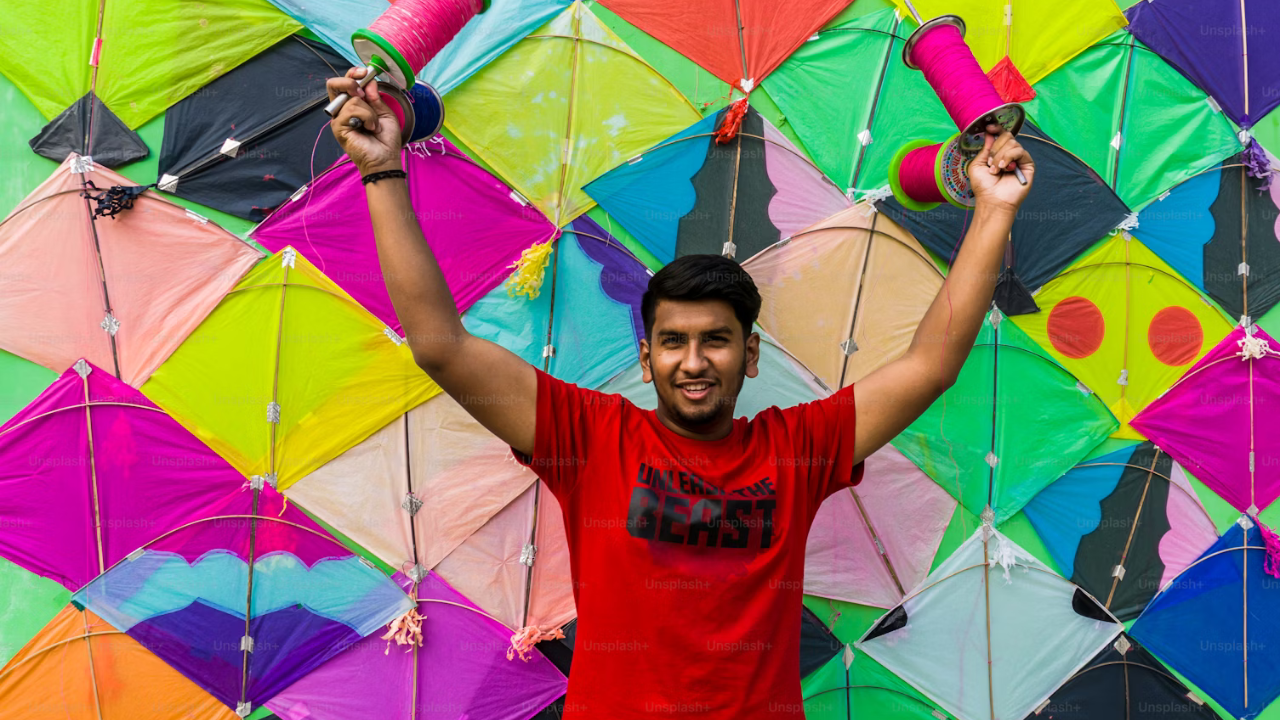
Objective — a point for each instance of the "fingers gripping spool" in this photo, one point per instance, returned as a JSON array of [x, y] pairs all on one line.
[[395, 48]]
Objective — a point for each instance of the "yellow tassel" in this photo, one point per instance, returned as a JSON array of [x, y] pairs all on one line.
[[285, 506], [530, 270]]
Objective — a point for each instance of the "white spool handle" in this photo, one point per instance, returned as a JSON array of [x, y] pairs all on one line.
[[335, 106]]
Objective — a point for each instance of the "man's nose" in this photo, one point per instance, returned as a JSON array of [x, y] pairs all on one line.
[[693, 361]]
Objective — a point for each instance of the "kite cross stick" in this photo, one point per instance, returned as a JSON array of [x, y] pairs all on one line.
[[937, 48], [398, 45]]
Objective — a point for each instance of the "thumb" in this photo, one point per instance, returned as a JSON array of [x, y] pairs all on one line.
[[389, 122], [379, 106], [984, 155]]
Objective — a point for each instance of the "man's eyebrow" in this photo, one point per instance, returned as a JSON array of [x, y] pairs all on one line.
[[722, 330]]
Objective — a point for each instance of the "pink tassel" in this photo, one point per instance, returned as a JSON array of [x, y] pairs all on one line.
[[526, 637], [405, 630], [1272, 563]]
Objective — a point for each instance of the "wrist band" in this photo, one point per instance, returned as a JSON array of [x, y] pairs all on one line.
[[375, 177]]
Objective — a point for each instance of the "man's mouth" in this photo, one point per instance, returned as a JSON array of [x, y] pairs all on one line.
[[695, 390]]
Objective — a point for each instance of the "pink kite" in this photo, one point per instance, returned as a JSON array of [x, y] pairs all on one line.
[[872, 544], [476, 225], [121, 290], [1218, 420], [91, 470], [487, 567]]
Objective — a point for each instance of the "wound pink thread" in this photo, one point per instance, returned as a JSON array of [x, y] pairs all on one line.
[[419, 29], [954, 74], [916, 174]]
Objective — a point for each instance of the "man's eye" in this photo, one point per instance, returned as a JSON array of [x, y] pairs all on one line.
[[670, 340]]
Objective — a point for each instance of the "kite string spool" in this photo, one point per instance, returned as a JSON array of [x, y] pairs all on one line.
[[917, 174], [954, 74], [419, 29]]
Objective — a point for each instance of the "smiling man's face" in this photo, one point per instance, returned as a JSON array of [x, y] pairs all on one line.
[[697, 357]]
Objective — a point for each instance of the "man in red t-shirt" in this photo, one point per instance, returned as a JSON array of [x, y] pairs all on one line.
[[686, 526]]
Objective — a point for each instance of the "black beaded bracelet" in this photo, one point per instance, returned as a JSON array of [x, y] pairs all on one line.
[[375, 177]]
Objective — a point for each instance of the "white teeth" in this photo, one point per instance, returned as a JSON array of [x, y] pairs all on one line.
[[696, 388]]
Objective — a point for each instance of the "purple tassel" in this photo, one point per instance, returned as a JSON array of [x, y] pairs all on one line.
[[1259, 165], [1272, 563]]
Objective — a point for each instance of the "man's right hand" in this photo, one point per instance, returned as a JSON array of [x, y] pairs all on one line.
[[494, 385], [375, 146]]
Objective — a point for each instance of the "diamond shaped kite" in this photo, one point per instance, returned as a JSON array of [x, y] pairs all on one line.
[[1215, 420], [992, 632], [288, 373], [121, 291], [586, 103]]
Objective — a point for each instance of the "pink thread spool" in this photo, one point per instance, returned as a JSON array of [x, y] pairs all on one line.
[[937, 48], [404, 39], [923, 175]]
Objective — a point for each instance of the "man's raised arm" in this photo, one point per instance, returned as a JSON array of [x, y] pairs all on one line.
[[496, 386], [892, 397]]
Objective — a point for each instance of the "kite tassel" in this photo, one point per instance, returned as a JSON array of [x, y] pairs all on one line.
[[405, 630], [115, 199], [1130, 222], [1005, 556], [872, 198], [1258, 164], [530, 270], [1253, 347], [732, 122], [1272, 541], [525, 638]]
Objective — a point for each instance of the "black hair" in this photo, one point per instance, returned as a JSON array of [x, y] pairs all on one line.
[[703, 277]]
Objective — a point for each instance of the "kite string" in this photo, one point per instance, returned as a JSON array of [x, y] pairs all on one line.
[[942, 423], [311, 192]]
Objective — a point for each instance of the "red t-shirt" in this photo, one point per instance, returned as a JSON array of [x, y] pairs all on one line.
[[687, 556]]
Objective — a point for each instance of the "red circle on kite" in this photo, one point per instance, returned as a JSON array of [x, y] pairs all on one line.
[[1175, 336], [1076, 327]]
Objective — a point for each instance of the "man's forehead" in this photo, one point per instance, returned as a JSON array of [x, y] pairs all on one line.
[[694, 316]]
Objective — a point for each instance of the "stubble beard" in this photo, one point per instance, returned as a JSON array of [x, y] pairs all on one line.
[[706, 415]]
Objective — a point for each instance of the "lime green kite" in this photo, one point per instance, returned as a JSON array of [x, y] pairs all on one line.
[[150, 53], [287, 373], [562, 107]]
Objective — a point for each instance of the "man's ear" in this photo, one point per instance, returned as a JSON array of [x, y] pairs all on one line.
[[646, 372], [753, 354]]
